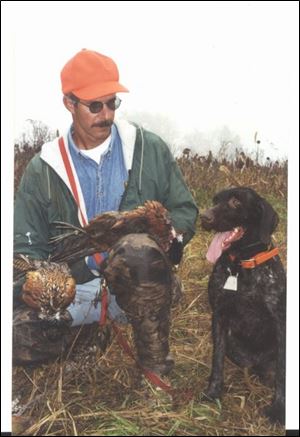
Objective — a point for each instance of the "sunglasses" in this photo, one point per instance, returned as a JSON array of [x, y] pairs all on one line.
[[96, 107]]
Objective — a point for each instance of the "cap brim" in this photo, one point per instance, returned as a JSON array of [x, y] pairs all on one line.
[[99, 90]]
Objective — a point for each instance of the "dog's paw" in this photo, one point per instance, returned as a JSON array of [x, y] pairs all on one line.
[[275, 413], [211, 394]]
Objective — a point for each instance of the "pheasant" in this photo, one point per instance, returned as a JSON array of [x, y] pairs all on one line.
[[49, 287], [106, 229]]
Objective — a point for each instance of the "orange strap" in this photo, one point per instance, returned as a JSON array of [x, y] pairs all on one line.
[[185, 395], [104, 303], [70, 175], [97, 256], [259, 258]]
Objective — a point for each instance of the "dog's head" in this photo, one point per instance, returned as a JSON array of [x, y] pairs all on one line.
[[240, 213]]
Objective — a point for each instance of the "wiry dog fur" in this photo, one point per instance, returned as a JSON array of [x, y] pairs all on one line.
[[248, 325]]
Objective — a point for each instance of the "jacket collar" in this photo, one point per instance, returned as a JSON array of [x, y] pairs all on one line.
[[127, 134], [51, 155]]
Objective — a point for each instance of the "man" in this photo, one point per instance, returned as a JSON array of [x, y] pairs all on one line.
[[101, 165]]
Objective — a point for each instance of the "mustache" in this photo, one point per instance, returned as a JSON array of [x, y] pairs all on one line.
[[105, 123]]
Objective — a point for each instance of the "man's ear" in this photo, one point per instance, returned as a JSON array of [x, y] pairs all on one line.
[[69, 104]]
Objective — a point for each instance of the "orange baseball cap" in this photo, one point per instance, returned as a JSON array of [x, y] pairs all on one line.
[[89, 75]]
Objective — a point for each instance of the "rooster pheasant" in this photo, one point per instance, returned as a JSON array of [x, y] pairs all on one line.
[[106, 229], [49, 287]]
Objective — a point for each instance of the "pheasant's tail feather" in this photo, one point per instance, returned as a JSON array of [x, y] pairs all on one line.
[[65, 225], [70, 242], [68, 256], [73, 231]]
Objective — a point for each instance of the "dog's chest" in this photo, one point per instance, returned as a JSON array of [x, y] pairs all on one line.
[[230, 286]]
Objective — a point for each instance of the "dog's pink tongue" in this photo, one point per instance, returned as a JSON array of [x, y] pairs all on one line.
[[216, 246]]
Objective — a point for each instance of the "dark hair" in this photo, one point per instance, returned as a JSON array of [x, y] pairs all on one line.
[[72, 97]]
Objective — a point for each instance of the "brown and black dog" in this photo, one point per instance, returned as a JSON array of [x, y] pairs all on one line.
[[247, 291]]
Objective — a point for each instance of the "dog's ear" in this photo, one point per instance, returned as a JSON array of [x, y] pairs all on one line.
[[268, 221]]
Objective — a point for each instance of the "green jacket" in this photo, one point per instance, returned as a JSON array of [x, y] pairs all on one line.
[[44, 195]]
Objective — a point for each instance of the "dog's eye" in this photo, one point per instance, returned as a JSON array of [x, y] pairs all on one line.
[[234, 203]]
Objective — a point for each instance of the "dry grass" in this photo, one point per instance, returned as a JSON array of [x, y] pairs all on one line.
[[93, 393], [104, 394]]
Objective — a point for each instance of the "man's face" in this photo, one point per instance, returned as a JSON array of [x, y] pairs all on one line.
[[97, 124]]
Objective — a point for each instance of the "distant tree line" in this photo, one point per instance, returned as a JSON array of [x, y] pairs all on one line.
[[204, 173]]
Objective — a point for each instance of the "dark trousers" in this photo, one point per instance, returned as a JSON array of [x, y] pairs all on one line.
[[141, 277]]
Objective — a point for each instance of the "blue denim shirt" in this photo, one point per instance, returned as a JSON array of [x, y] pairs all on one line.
[[102, 184], [102, 187]]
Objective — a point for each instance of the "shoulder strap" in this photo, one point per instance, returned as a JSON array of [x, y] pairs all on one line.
[[68, 168]]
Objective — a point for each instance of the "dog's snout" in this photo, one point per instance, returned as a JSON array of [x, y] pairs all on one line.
[[207, 216]]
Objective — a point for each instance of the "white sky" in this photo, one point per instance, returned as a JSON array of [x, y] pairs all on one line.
[[204, 64]]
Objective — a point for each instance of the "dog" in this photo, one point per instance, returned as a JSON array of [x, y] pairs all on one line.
[[247, 291]]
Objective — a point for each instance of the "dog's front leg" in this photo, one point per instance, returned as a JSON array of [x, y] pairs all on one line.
[[215, 385]]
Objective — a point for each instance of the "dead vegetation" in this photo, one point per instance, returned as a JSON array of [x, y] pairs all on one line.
[[92, 393]]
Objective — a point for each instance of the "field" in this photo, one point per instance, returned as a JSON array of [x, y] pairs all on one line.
[[95, 393]]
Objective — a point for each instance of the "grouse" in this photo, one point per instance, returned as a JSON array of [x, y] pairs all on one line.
[[49, 287]]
